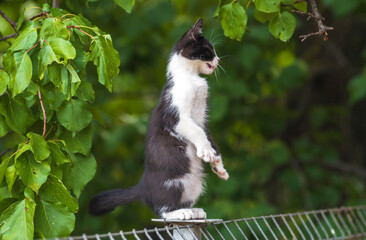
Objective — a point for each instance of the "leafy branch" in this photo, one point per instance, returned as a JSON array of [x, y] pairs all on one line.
[[44, 82]]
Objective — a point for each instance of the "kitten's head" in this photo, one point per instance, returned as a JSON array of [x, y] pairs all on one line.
[[197, 49]]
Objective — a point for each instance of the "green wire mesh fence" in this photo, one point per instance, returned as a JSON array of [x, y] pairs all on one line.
[[336, 223]]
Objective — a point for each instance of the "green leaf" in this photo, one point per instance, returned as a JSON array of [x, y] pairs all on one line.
[[22, 148], [3, 166], [45, 57], [3, 127], [81, 21], [22, 73], [106, 58], [57, 155], [357, 88], [32, 173], [17, 115], [54, 73], [26, 39], [127, 5], [268, 6], [62, 48], [38, 146], [75, 115], [80, 143], [301, 6], [85, 92], [53, 96], [20, 20], [4, 194], [283, 26], [264, 17], [69, 83], [28, 193], [10, 177], [74, 76], [17, 220], [79, 172], [55, 191], [53, 28], [4, 80], [46, 7], [53, 220], [233, 20]]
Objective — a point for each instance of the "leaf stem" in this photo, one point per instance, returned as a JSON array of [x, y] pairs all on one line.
[[44, 113], [35, 45], [67, 14], [77, 27]]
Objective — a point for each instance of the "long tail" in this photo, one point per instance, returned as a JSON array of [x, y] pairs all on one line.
[[107, 201]]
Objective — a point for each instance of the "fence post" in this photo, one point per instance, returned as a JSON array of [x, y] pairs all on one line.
[[187, 229]]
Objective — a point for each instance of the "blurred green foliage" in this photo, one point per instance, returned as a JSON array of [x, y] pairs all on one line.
[[289, 118]]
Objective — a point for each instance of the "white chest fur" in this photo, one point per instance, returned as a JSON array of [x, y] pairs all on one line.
[[189, 96], [189, 92]]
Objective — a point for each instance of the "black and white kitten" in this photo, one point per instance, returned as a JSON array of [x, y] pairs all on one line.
[[178, 138]]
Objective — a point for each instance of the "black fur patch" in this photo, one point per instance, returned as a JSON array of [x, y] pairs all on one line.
[[193, 45]]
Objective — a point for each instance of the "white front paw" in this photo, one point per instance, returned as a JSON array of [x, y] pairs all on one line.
[[180, 214], [206, 153], [199, 213], [218, 168]]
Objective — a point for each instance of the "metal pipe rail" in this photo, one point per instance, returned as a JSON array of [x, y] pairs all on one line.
[[335, 223]]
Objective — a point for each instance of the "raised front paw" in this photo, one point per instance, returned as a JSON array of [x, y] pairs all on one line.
[[207, 153], [218, 168]]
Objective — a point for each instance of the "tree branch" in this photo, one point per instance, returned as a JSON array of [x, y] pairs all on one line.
[[12, 23], [55, 4], [8, 36], [44, 113], [322, 29]]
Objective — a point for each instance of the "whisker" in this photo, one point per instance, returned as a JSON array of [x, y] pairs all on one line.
[[223, 70], [217, 78], [225, 56]]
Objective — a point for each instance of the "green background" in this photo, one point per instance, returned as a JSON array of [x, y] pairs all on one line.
[[289, 118]]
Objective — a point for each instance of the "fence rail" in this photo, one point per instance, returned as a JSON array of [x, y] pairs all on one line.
[[336, 223]]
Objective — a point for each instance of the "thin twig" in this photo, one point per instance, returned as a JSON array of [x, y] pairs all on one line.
[[322, 29], [44, 113], [8, 36], [12, 23], [38, 15]]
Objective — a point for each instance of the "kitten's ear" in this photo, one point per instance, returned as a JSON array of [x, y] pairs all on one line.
[[196, 30]]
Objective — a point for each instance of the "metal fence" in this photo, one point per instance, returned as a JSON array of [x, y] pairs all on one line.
[[336, 223]]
